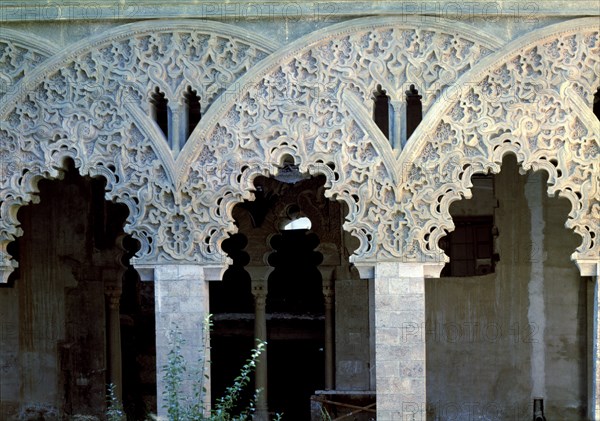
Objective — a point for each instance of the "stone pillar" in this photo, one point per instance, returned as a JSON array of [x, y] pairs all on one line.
[[594, 382], [181, 302], [113, 336], [397, 123], [177, 121], [260, 276], [329, 296], [400, 340], [352, 332]]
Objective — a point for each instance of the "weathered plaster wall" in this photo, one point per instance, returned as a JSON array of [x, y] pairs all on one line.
[[53, 342], [494, 342], [352, 334]]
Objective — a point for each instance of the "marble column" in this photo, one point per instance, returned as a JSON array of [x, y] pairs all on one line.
[[397, 123], [115, 373], [260, 276], [329, 297]]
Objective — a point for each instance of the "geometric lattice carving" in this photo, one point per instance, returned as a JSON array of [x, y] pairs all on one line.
[[532, 100], [310, 100], [295, 105], [90, 103], [19, 54]]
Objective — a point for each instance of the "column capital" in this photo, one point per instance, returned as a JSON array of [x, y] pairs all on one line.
[[588, 267], [327, 275], [259, 272], [113, 295], [259, 288], [172, 272], [327, 272], [369, 269]]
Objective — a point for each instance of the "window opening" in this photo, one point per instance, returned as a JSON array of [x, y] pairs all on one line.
[[414, 110], [160, 111], [597, 104], [381, 111], [192, 109]]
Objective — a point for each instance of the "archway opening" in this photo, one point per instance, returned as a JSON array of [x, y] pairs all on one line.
[[159, 111], [300, 267], [519, 331], [69, 291]]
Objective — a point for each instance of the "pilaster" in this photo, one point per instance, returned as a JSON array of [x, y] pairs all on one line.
[[182, 304], [400, 340]]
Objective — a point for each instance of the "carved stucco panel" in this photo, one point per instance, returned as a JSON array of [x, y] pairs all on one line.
[[19, 54], [296, 104], [533, 101], [90, 103]]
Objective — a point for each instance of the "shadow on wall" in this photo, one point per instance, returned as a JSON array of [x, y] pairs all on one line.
[[496, 340]]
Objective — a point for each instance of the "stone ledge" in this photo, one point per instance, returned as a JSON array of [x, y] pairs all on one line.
[[319, 10]]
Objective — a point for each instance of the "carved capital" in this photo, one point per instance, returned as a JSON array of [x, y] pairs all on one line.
[[113, 296], [327, 275], [259, 288]]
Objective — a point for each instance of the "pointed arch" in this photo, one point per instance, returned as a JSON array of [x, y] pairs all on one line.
[[89, 103], [294, 101], [530, 99]]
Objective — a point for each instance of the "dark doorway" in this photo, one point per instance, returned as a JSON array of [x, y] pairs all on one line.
[[295, 309], [69, 238]]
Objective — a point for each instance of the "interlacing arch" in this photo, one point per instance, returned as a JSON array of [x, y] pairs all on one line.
[[91, 103], [534, 100], [310, 100], [19, 55]]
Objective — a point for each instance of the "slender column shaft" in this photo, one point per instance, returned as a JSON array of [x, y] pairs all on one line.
[[397, 124], [594, 411], [259, 290], [328, 293], [176, 130], [113, 297]]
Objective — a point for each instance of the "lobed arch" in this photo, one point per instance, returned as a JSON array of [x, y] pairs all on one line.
[[310, 100], [90, 103], [532, 99], [180, 206], [19, 54]]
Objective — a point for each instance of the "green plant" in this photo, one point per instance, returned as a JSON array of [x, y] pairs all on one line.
[[114, 411], [226, 405], [173, 373], [325, 415], [193, 408]]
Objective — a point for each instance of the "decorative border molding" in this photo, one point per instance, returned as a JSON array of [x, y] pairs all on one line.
[[20, 53], [106, 10]]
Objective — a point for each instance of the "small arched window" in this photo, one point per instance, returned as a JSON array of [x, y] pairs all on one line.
[[302, 223], [159, 110], [414, 110], [192, 110], [381, 111], [597, 104]]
